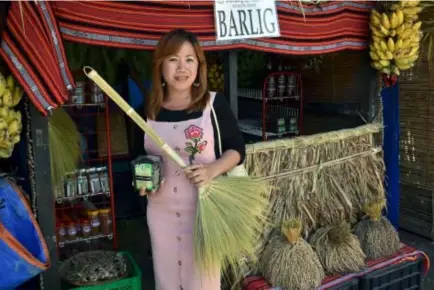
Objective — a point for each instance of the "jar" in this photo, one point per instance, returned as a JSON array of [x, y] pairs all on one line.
[[85, 228], [106, 221], [61, 233], [94, 221], [72, 231]]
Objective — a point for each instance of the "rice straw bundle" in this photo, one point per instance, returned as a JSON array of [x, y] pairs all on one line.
[[289, 262], [338, 249], [231, 211], [322, 179], [377, 235], [64, 140]]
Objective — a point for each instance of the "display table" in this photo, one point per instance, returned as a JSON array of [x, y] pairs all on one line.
[[412, 265]]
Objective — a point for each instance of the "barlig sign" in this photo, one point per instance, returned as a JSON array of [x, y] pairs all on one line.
[[240, 19]]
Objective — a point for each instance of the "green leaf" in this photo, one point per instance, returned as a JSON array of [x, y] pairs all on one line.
[[190, 150]]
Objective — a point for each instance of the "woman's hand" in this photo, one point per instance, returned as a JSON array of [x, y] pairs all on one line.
[[200, 174], [144, 191]]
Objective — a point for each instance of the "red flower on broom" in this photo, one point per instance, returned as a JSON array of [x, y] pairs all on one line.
[[195, 134]]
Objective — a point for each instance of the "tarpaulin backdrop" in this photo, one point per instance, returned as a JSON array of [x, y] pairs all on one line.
[[32, 41]]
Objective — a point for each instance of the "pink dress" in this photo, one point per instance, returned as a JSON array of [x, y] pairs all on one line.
[[171, 212]]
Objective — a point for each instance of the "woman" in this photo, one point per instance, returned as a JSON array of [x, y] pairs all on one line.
[[179, 109]]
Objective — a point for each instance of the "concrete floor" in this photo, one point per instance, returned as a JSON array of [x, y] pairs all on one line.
[[133, 237]]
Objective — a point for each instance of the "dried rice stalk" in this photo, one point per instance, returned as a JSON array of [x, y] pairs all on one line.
[[289, 262], [338, 249], [377, 235], [322, 179]]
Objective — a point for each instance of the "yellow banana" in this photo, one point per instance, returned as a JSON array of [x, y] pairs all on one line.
[[392, 32], [376, 38], [411, 10], [383, 45], [384, 63], [400, 16], [16, 138], [10, 83], [373, 55], [393, 20], [385, 21], [376, 13], [398, 44], [413, 51], [390, 45], [377, 46], [386, 70], [406, 43], [18, 94], [375, 20], [382, 55], [407, 32], [412, 3], [395, 71], [400, 29], [389, 55], [417, 25], [7, 98], [403, 3], [376, 65], [403, 66], [13, 127], [2, 84]]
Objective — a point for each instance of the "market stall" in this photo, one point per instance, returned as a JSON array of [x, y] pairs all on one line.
[[321, 184]]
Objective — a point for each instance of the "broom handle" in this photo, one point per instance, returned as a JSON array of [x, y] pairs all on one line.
[[95, 77]]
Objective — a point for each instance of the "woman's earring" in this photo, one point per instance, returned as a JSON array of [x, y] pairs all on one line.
[[163, 84], [196, 85]]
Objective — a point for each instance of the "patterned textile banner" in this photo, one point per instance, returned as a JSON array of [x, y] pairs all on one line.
[[32, 43]]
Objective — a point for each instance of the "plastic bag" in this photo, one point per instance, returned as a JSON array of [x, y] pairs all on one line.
[[23, 251]]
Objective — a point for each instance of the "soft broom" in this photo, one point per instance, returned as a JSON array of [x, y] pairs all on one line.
[[377, 235], [230, 211], [288, 261]]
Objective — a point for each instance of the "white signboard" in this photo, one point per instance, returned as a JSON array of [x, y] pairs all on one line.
[[240, 19]]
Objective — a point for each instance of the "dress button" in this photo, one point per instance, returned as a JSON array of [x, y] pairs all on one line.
[[177, 149], [179, 238], [175, 127], [179, 263], [178, 214], [175, 189]]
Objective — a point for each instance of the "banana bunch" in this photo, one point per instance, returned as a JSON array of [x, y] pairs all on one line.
[[396, 37], [10, 119], [216, 78]]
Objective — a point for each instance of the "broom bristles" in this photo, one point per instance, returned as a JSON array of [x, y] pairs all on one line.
[[230, 217]]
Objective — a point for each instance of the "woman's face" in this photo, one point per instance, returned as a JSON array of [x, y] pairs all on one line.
[[180, 70]]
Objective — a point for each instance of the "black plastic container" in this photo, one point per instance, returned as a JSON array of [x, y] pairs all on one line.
[[352, 284], [403, 276]]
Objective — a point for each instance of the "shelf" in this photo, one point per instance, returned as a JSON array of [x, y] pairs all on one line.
[[60, 200], [85, 240], [254, 128], [79, 106], [256, 94]]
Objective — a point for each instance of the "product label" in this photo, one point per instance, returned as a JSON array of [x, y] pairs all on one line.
[[86, 229], [62, 232], [72, 231], [95, 223]]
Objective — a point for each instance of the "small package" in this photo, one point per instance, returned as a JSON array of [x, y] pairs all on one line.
[[147, 172]]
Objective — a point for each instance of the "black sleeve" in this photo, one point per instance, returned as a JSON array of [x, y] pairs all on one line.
[[137, 136], [230, 134]]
